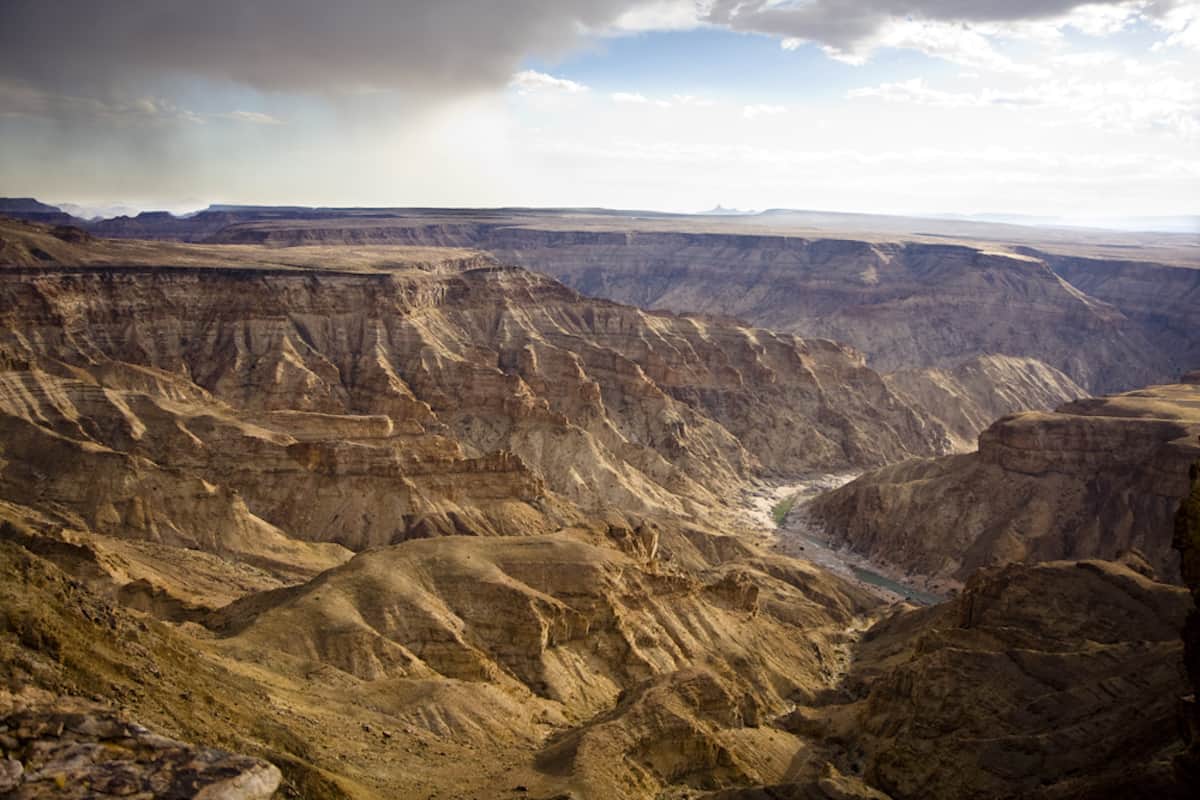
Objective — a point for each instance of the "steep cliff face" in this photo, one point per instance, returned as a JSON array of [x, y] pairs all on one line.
[[606, 403], [1095, 478], [1187, 542], [1163, 301], [277, 417], [971, 396], [905, 305], [1055, 680]]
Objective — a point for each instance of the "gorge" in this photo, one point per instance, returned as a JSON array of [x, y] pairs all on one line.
[[377, 502]]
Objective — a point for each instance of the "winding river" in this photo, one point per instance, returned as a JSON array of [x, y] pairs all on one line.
[[798, 538]]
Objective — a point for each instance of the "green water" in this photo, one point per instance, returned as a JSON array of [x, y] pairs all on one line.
[[909, 593]]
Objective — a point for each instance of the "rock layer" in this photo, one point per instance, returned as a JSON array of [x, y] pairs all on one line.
[[1187, 542], [974, 394], [991, 696], [365, 408], [412, 523], [1094, 479], [80, 750], [905, 305]]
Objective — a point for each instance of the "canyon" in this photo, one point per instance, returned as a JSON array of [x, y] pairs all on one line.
[[372, 499], [1096, 478], [1112, 311]]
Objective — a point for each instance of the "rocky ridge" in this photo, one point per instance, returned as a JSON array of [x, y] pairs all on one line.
[[906, 304], [82, 750], [1094, 479], [404, 523], [911, 294], [1187, 542], [990, 695]]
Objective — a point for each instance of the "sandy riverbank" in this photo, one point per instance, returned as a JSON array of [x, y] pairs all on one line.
[[799, 539]]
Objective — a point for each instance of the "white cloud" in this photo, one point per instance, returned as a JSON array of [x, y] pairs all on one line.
[[1168, 104], [252, 117], [960, 44], [762, 110], [660, 15], [630, 97], [917, 91], [675, 100], [1182, 24], [1087, 59], [691, 100], [1098, 19], [965, 32], [530, 81]]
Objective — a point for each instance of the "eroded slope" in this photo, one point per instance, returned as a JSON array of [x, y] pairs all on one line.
[[1094, 479]]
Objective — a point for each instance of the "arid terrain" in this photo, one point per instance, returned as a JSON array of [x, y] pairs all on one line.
[[402, 503]]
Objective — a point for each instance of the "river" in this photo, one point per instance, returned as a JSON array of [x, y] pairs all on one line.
[[798, 539]]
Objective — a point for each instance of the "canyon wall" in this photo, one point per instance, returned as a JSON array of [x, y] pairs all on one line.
[[404, 522], [907, 305], [914, 302], [1092, 480]]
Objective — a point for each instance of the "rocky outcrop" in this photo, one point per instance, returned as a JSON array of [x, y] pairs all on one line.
[[991, 696], [1162, 300], [1094, 479], [81, 750], [970, 397], [1187, 542]]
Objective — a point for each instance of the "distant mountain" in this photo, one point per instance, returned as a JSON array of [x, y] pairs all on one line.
[[94, 212], [25, 205], [31, 210], [721, 211]]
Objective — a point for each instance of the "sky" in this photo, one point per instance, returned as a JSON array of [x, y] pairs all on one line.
[[1054, 107]]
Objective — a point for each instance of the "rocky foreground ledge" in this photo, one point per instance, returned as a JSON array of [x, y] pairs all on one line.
[[74, 749]]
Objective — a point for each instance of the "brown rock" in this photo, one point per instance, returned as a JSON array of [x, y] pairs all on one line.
[[1051, 680], [89, 751], [1095, 479]]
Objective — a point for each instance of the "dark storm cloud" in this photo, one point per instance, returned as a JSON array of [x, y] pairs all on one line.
[[296, 45], [416, 45], [842, 25]]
